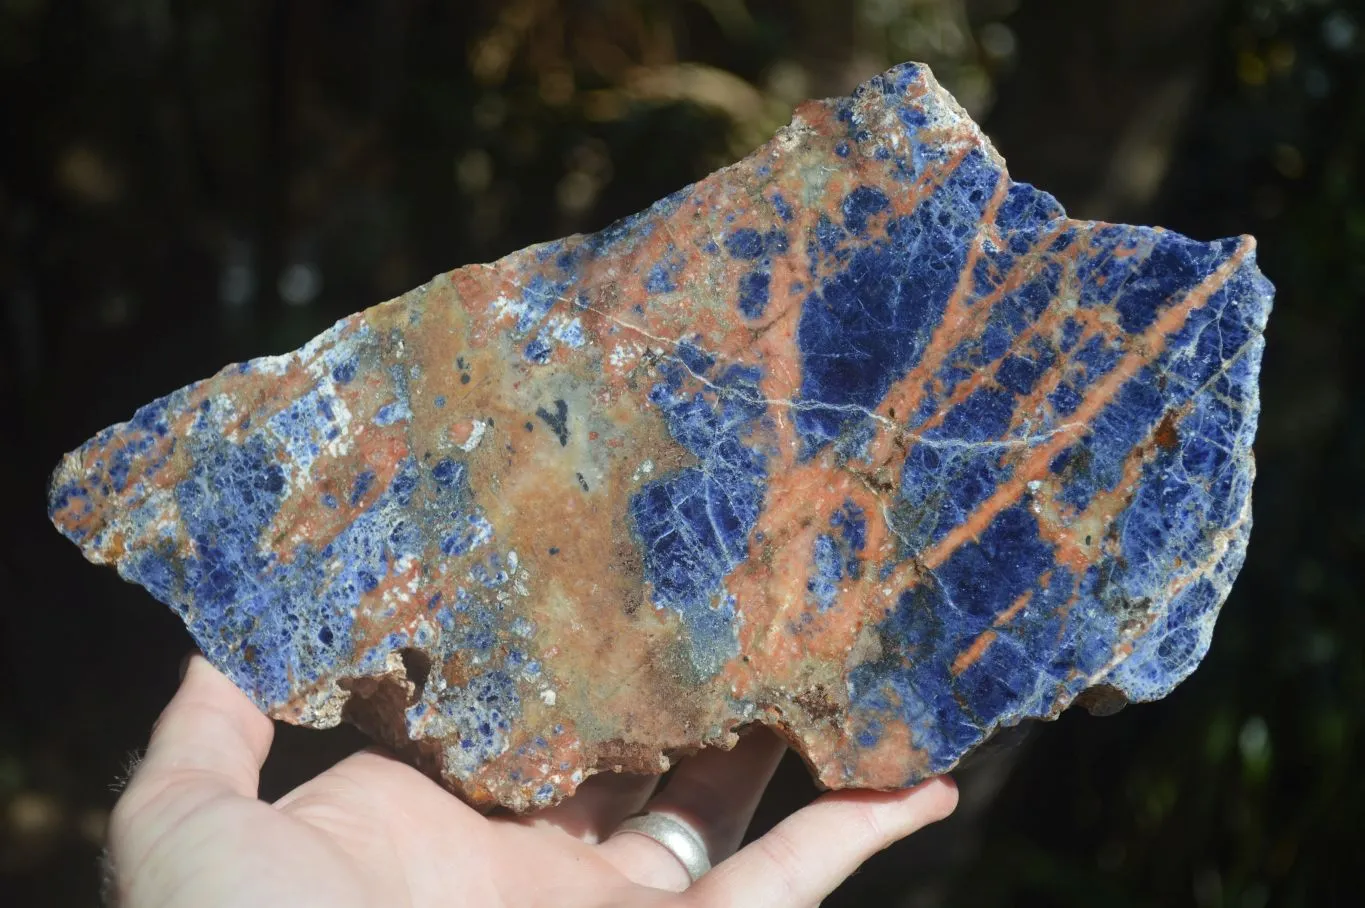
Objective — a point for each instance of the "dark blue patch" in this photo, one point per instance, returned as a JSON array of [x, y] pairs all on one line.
[[874, 312], [1026, 207], [851, 520], [364, 480], [159, 571], [1065, 399], [780, 205], [953, 468], [697, 360], [896, 81], [753, 293], [693, 526], [835, 557], [662, 276], [344, 373], [149, 423], [984, 578], [448, 472], [538, 351], [1020, 374], [861, 205], [1127, 420], [744, 243], [660, 280], [983, 416], [1174, 266], [1099, 357], [1011, 314], [404, 482], [69, 495], [1071, 334], [152, 417]]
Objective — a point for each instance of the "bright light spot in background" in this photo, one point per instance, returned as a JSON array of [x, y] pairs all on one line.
[[474, 171], [1339, 31], [300, 284], [1254, 740], [997, 40], [236, 284]]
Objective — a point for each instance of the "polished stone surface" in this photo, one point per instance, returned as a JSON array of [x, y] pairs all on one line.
[[856, 438]]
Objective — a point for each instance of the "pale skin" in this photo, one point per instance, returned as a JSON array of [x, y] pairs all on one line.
[[189, 829]]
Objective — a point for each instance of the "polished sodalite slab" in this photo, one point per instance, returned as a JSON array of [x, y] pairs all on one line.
[[856, 438]]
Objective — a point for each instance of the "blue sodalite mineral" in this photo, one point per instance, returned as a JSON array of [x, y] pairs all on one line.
[[857, 438]]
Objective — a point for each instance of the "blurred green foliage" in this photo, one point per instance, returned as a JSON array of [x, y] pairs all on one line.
[[186, 182]]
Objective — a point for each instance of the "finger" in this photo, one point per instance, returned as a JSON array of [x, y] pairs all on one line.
[[372, 781], [714, 792], [811, 852], [599, 805], [386, 816], [210, 736], [717, 791], [355, 799]]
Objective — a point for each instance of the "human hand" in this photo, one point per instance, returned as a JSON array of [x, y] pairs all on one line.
[[190, 831]]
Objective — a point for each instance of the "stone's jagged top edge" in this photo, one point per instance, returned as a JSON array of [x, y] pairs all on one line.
[[894, 80], [958, 114]]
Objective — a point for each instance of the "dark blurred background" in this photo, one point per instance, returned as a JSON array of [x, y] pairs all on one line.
[[185, 183]]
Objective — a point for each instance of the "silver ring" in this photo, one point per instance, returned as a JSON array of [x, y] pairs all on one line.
[[677, 837]]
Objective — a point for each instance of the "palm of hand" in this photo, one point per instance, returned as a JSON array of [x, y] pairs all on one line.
[[189, 830]]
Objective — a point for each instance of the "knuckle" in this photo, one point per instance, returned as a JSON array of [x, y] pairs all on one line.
[[779, 850], [869, 828]]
